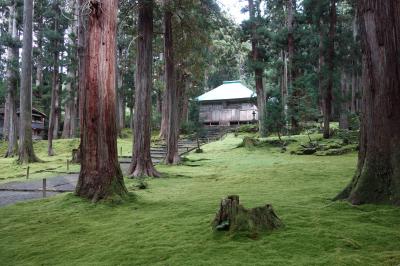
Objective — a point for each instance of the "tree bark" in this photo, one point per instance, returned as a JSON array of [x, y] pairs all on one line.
[[184, 117], [142, 164], [100, 176], [70, 87], [164, 116], [344, 102], [377, 179], [258, 73], [121, 94], [321, 62], [331, 67], [6, 125], [12, 84], [233, 217], [172, 156], [290, 22], [26, 151], [54, 89]]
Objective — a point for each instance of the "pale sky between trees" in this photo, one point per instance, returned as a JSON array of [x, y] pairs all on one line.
[[233, 8]]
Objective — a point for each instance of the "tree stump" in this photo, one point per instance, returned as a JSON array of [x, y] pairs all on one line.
[[233, 217]]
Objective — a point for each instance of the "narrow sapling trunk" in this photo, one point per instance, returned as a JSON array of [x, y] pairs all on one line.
[[142, 164], [321, 62], [54, 95], [377, 178], [26, 152], [101, 176]]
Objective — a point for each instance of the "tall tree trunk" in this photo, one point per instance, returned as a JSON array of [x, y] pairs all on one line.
[[321, 62], [344, 102], [164, 116], [12, 82], [185, 101], [39, 59], [172, 156], [100, 176], [331, 68], [290, 22], [54, 89], [377, 179], [258, 73], [70, 86], [6, 124], [142, 164], [69, 107], [121, 95], [26, 152], [353, 93]]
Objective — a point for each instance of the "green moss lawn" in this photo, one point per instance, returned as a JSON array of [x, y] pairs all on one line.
[[169, 223]]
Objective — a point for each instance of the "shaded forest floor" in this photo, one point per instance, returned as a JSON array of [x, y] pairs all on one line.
[[169, 223]]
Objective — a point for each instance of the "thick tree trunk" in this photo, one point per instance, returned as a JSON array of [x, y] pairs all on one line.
[[261, 101], [100, 176], [377, 179], [142, 164], [12, 87], [331, 67], [258, 73], [172, 156], [26, 152]]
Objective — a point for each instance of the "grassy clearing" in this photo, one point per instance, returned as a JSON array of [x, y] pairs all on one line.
[[51, 165], [169, 223]]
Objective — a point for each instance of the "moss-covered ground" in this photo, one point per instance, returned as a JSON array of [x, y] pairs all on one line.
[[169, 223]]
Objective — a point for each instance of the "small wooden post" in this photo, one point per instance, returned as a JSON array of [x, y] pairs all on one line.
[[27, 172], [121, 151], [44, 187], [67, 165]]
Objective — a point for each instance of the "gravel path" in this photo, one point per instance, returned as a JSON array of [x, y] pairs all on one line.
[[20, 191], [13, 192]]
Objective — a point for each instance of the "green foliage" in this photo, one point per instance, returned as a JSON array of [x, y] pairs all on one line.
[[275, 118], [249, 128], [354, 122]]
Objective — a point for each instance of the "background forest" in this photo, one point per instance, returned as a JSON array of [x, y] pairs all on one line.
[[306, 55]]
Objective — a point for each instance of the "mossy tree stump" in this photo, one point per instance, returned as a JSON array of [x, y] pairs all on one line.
[[233, 217]]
